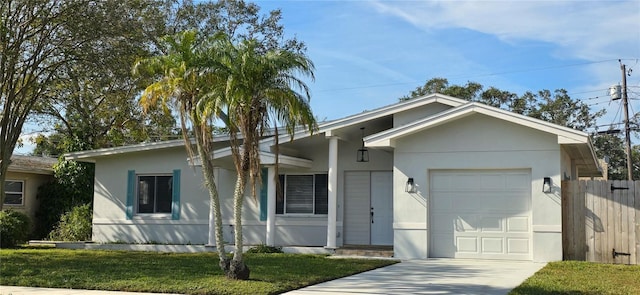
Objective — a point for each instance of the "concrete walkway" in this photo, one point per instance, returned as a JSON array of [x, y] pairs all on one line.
[[433, 276]]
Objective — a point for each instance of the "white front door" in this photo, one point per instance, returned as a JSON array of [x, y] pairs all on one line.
[[381, 208], [368, 215]]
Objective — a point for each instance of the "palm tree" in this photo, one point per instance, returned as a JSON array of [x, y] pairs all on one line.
[[182, 78], [261, 89]]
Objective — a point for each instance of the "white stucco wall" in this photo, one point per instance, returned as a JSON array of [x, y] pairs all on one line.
[[110, 193], [476, 142]]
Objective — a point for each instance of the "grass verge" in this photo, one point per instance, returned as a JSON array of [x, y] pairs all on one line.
[[584, 278], [186, 273]]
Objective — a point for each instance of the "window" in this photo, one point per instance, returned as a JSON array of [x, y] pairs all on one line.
[[14, 192], [302, 194], [155, 193]]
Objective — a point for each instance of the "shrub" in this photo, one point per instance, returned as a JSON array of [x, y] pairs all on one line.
[[262, 248], [14, 228], [72, 186], [74, 225]]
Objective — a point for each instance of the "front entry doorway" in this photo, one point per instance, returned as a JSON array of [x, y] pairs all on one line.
[[368, 215]]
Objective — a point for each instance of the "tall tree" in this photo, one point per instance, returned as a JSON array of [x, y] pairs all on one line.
[[93, 102], [557, 107], [36, 41], [183, 76], [260, 89], [82, 106]]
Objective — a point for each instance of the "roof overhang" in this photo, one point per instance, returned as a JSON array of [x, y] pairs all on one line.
[[387, 138], [329, 127], [584, 158], [87, 156], [266, 158], [32, 165]]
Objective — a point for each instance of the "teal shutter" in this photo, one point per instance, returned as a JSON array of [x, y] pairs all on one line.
[[175, 203], [131, 190], [263, 195]]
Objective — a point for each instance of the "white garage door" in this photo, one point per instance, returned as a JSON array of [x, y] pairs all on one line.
[[482, 214]]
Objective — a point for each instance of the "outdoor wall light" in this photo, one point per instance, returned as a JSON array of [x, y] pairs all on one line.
[[363, 152], [411, 186], [546, 185]]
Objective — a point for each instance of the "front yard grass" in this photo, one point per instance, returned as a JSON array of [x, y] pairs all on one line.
[[584, 278], [185, 273]]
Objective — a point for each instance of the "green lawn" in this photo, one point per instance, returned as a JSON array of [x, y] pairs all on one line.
[[584, 278], [189, 273]]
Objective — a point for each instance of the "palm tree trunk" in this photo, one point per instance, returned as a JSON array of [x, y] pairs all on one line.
[[209, 181], [238, 269]]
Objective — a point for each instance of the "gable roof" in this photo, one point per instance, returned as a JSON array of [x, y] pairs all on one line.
[[386, 138], [577, 143], [329, 126]]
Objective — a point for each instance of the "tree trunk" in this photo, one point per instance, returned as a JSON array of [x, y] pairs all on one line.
[[4, 166], [209, 180], [238, 270]]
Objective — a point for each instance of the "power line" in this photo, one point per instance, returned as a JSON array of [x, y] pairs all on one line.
[[478, 75]]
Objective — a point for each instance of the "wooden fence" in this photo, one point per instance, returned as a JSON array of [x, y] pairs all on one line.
[[601, 221]]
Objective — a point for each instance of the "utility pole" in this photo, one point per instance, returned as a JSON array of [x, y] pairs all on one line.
[[627, 129]]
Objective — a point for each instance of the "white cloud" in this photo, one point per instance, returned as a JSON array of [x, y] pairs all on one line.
[[587, 30]]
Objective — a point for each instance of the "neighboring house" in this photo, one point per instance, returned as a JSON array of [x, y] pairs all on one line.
[[444, 178], [25, 175]]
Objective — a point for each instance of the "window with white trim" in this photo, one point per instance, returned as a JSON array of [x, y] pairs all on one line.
[[155, 193], [14, 192], [302, 194]]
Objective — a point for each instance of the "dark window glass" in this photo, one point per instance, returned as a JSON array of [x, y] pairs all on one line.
[[322, 194], [155, 194], [302, 194], [14, 192]]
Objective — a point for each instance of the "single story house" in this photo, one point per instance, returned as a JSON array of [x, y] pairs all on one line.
[[434, 176], [24, 176]]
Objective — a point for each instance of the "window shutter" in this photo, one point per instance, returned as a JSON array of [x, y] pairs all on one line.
[[263, 195], [175, 204], [131, 190]]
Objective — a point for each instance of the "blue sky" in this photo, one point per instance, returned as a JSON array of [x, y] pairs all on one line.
[[369, 53]]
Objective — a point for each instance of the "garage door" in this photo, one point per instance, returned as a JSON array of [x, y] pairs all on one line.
[[483, 214]]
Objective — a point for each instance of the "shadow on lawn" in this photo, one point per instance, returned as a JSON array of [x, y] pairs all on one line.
[[531, 290]]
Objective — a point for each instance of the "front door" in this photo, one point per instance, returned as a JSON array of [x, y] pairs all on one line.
[[381, 208], [368, 211]]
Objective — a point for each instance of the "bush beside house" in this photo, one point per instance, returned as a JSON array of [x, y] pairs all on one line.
[[14, 228]]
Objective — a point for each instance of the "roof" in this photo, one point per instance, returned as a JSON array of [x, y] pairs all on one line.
[[386, 138], [329, 126], [146, 146], [266, 158], [390, 110], [32, 164], [576, 142]]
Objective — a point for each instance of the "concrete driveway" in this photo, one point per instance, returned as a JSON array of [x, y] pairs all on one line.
[[432, 276]]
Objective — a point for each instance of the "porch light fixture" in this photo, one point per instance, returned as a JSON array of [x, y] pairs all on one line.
[[363, 152], [411, 186], [546, 185]]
